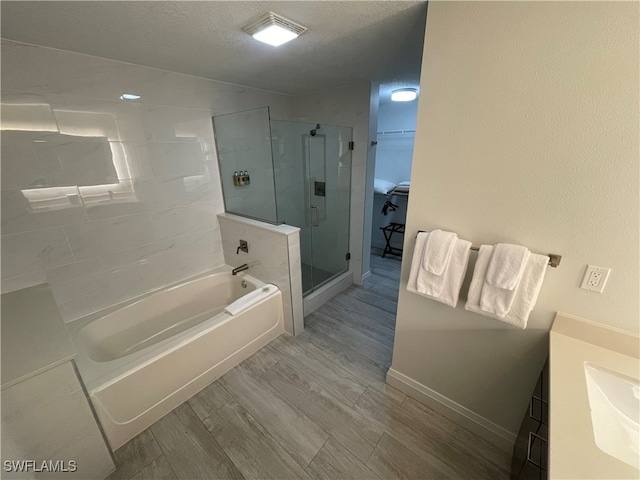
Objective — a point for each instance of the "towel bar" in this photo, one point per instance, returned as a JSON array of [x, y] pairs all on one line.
[[554, 258]]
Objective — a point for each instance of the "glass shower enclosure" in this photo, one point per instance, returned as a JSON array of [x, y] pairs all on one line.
[[294, 173]]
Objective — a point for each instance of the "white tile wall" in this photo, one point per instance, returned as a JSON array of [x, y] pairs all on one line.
[[176, 159], [33, 251], [273, 257], [107, 199], [38, 209], [127, 197], [177, 221], [101, 237]]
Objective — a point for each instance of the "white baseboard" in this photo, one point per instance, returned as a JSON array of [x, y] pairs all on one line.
[[482, 427]]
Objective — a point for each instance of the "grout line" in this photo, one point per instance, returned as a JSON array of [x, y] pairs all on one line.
[[374, 449], [66, 237], [319, 450], [343, 347], [225, 403], [267, 385], [351, 331], [335, 364], [360, 396], [266, 430], [147, 464], [213, 438], [231, 397], [162, 455]]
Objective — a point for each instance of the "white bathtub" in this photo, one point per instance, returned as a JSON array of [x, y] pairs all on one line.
[[143, 358]]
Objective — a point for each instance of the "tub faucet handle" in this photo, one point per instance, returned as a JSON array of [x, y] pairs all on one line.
[[244, 246], [239, 269]]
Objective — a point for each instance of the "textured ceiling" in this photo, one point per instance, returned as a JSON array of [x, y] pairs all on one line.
[[347, 41]]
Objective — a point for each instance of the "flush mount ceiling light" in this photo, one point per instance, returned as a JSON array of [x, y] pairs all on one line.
[[129, 96], [274, 29], [404, 94]]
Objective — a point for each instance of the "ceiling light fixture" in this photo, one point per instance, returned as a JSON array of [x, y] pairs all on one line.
[[274, 29], [404, 94], [129, 96]]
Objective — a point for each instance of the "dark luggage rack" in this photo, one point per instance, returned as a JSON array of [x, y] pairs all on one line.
[[388, 232]]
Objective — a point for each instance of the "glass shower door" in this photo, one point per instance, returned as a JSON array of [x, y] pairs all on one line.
[[313, 188], [328, 162]]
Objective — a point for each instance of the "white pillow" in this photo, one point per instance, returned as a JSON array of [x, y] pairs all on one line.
[[383, 186]]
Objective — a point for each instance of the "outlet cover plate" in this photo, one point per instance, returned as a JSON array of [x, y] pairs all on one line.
[[595, 278]]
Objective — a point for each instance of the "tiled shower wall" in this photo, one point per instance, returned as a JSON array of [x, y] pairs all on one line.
[[107, 199]]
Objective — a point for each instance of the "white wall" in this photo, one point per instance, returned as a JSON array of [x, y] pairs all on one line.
[[394, 157], [527, 133], [394, 151], [374, 104], [394, 154], [349, 106], [397, 115], [151, 224]]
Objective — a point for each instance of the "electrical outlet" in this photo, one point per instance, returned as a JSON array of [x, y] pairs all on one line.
[[595, 278]]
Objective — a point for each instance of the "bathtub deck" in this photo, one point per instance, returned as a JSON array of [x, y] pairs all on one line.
[[314, 406]]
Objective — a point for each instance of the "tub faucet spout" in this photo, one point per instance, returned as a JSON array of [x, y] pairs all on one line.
[[242, 267]]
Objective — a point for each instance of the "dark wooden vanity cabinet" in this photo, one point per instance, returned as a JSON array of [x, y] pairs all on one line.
[[530, 453]]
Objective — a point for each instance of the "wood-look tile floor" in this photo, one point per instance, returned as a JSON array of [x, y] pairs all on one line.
[[314, 406]]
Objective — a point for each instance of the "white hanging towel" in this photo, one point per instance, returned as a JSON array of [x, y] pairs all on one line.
[[451, 256], [250, 299], [527, 290], [504, 273], [437, 251]]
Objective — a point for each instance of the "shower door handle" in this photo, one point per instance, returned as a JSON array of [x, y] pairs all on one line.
[[314, 221]]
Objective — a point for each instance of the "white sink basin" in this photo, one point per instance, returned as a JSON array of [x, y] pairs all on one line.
[[614, 400]]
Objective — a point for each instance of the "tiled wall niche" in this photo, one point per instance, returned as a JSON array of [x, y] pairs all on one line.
[[107, 199]]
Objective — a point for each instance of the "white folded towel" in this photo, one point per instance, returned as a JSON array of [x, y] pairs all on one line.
[[503, 276], [527, 290], [250, 299], [444, 288], [382, 186], [437, 251]]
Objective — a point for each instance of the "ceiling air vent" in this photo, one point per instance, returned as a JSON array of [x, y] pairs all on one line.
[[274, 29]]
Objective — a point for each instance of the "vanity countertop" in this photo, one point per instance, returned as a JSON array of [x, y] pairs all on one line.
[[579, 437], [33, 335]]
